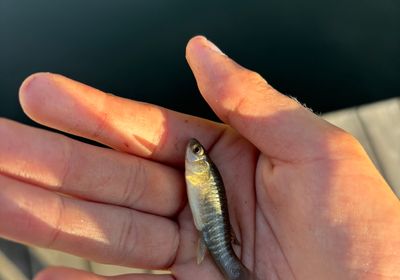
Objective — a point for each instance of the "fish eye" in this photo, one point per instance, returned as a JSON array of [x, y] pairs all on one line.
[[197, 150]]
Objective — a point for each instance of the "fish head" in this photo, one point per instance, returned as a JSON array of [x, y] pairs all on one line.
[[196, 157]]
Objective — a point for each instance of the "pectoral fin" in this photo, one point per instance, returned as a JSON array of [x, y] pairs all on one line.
[[201, 250]]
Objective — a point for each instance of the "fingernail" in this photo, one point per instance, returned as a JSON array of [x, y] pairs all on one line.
[[211, 45], [205, 58]]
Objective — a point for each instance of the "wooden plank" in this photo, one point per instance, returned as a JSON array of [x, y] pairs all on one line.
[[349, 121], [14, 261], [9, 270], [112, 270], [377, 127], [382, 124], [41, 258]]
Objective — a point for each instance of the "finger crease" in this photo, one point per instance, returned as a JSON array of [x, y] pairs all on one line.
[[134, 189], [102, 118], [57, 226], [236, 109], [126, 192], [67, 159], [218, 138], [127, 241]]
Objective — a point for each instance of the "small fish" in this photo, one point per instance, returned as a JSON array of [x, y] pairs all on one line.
[[207, 200]]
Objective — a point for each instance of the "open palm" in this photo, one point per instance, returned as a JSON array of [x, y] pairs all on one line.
[[304, 200]]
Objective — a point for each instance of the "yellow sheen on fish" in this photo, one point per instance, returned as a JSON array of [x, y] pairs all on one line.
[[207, 200]]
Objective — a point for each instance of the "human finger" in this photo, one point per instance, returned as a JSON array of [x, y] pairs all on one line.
[[142, 129], [99, 232], [278, 125], [58, 163], [63, 273]]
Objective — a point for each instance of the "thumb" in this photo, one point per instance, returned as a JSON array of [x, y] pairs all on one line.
[[277, 125]]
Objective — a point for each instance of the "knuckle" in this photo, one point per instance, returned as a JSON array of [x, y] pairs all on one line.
[[98, 131], [348, 145], [253, 77], [242, 80], [67, 153], [347, 138], [102, 119], [255, 81]]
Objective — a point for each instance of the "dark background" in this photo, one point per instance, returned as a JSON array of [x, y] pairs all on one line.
[[329, 54]]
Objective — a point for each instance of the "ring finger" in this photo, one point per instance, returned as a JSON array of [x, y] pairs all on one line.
[[100, 232]]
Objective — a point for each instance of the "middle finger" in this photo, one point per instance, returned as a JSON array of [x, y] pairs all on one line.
[[59, 163]]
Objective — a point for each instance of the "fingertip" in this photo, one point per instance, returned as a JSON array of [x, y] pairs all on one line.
[[210, 66], [31, 82], [199, 48], [31, 92], [46, 97], [194, 41], [191, 49]]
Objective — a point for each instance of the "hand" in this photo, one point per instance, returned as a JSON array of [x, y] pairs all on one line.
[[304, 199]]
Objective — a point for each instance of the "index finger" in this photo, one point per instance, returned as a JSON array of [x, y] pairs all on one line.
[[135, 127]]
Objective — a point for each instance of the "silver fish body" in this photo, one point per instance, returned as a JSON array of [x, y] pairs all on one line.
[[207, 200]]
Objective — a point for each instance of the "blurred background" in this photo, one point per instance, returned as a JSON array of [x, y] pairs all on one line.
[[329, 54]]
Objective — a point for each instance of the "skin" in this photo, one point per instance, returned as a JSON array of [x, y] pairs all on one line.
[[305, 201]]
